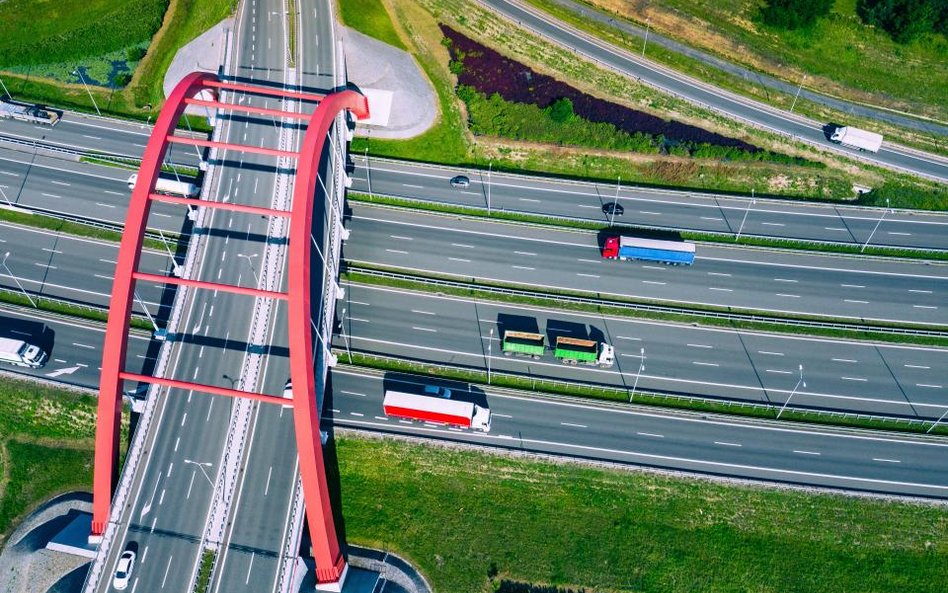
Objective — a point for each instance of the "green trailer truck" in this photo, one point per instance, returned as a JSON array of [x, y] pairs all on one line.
[[523, 344], [590, 352]]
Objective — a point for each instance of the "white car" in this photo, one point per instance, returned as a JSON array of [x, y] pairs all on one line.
[[123, 571]]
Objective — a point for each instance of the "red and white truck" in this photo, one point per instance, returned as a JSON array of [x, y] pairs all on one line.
[[437, 409]]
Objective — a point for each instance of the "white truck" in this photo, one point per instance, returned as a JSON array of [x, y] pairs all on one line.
[[169, 186], [28, 113], [855, 138], [440, 409], [22, 354]]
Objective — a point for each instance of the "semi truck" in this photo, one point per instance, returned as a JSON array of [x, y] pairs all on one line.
[[169, 186], [855, 138], [33, 114], [666, 252], [21, 353], [440, 410], [577, 351], [523, 344]]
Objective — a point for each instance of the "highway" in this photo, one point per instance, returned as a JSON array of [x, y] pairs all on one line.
[[62, 266], [774, 281], [723, 447], [851, 376], [702, 94], [653, 208], [192, 458], [73, 189]]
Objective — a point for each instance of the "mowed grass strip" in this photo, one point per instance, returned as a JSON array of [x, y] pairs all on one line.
[[370, 18], [46, 443], [454, 513]]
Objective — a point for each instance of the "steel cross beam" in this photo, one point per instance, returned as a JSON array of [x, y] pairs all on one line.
[[327, 550]]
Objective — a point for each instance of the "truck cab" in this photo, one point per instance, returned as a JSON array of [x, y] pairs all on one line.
[[607, 355], [610, 250]]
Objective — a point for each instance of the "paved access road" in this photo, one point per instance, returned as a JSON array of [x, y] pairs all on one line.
[[95, 193], [586, 430], [764, 280], [61, 266], [702, 94], [653, 208], [860, 377], [74, 346]]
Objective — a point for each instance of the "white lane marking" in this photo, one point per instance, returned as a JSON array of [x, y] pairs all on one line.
[[628, 338], [590, 261], [779, 372], [719, 274], [705, 364], [727, 444], [654, 282], [420, 312], [167, 568], [785, 280], [768, 352], [720, 289], [523, 268], [710, 218], [184, 418], [424, 329], [854, 379], [587, 275], [900, 234], [357, 414], [923, 307], [51, 196], [857, 301], [884, 460], [413, 186], [651, 434], [843, 360], [359, 319], [401, 237], [834, 228], [383, 418], [459, 259], [528, 253], [91, 137], [60, 183], [916, 366], [462, 245], [926, 385], [659, 268], [920, 291], [529, 200], [573, 425], [266, 490], [501, 416], [772, 224], [249, 567], [399, 251], [806, 452], [852, 285], [648, 212], [699, 346], [792, 296], [352, 393]]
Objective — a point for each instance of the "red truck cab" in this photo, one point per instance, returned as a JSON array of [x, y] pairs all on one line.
[[610, 250]]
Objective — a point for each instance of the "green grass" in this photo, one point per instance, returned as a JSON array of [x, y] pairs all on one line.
[[370, 18], [90, 313], [204, 573], [472, 212], [458, 515], [46, 437], [841, 56], [40, 221]]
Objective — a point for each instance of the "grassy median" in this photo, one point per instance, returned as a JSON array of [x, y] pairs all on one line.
[[460, 516]]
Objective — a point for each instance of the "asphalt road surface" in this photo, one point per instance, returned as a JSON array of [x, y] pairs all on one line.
[[851, 376], [774, 281]]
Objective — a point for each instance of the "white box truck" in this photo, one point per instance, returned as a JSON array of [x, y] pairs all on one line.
[[855, 138], [169, 186], [439, 409], [20, 353]]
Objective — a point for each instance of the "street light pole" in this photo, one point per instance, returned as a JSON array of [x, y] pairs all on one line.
[[490, 166], [648, 22], [490, 350], [368, 174], [638, 373], [615, 201], [345, 338], [743, 220], [250, 263], [79, 74], [795, 387], [866, 244], [799, 88], [942, 417], [17, 280]]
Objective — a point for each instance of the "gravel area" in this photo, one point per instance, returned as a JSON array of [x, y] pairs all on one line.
[[26, 566]]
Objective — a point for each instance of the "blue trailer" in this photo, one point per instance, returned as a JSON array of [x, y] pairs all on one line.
[[666, 252]]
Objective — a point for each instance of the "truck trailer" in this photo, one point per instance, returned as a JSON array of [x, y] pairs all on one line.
[[169, 186], [855, 138], [666, 252], [523, 344], [20, 353], [439, 410], [33, 114], [578, 351]]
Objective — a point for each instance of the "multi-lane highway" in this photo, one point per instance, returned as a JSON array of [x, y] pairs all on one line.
[[763, 280], [858, 377], [705, 445], [703, 94], [653, 208]]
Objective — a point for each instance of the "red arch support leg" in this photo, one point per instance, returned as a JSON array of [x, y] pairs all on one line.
[[330, 562]]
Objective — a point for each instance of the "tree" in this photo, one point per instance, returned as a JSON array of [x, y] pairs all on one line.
[[561, 110], [905, 20], [794, 14]]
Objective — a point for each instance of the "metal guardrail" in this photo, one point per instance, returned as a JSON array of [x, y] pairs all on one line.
[[600, 302], [552, 385]]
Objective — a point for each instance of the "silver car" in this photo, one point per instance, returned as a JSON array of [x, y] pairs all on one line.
[[123, 572], [460, 181]]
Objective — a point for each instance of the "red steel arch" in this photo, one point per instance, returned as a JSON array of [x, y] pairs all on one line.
[[327, 550]]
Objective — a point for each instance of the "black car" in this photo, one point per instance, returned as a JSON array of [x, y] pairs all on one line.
[[460, 181], [613, 209]]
